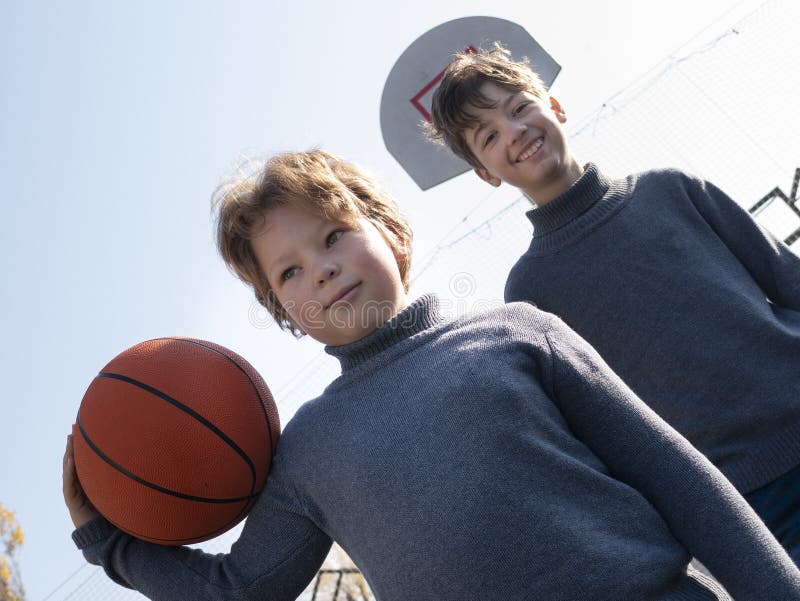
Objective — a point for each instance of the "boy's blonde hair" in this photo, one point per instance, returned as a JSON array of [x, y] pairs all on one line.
[[460, 91], [316, 181]]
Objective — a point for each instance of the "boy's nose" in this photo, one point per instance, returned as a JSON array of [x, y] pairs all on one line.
[[516, 130], [326, 272]]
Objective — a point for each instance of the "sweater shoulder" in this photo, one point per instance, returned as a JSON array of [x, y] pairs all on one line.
[[308, 419], [521, 320], [663, 178]]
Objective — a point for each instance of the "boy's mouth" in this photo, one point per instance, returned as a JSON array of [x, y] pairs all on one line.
[[530, 150], [343, 295]]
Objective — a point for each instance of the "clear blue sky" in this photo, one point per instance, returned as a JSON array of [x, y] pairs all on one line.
[[118, 119]]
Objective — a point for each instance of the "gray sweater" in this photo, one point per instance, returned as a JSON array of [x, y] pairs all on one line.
[[495, 457], [688, 300]]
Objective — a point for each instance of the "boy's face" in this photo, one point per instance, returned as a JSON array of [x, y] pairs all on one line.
[[520, 141], [337, 282]]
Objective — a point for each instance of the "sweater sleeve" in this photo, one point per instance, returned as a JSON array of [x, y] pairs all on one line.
[[276, 556], [768, 260], [703, 510]]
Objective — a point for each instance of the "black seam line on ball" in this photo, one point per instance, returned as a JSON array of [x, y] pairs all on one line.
[[186, 409], [144, 482], [189, 411], [235, 363]]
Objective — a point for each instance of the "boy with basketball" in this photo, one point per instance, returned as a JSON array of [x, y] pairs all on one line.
[[491, 457], [686, 298]]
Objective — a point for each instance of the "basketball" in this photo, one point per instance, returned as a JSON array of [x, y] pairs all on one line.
[[174, 439]]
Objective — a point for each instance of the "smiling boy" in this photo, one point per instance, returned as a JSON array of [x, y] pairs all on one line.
[[538, 161], [686, 298], [494, 457]]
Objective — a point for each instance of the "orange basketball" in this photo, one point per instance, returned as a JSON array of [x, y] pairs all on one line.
[[174, 440]]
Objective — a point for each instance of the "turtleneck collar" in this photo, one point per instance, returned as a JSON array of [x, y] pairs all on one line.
[[576, 200], [420, 315]]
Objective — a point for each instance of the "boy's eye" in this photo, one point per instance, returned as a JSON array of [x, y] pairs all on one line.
[[520, 107], [489, 139], [288, 273], [333, 237]]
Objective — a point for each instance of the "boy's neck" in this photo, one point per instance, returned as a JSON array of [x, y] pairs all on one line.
[[419, 315], [544, 195]]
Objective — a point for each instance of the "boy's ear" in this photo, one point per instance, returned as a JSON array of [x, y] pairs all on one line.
[[556, 107], [488, 177]]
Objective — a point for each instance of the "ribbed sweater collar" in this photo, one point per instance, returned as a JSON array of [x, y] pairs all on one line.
[[586, 205], [420, 315], [590, 187]]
